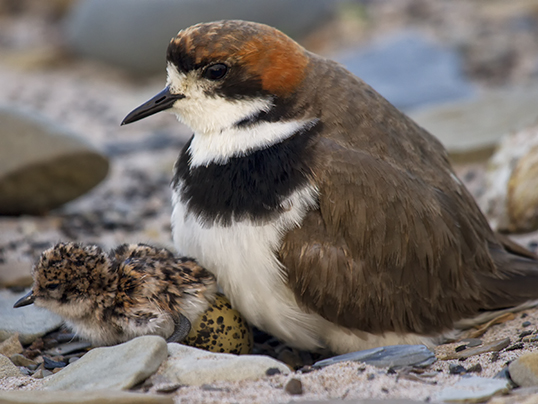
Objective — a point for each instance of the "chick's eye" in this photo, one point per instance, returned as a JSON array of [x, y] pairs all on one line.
[[216, 71], [52, 286]]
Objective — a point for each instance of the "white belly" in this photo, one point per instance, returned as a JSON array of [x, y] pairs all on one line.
[[242, 257]]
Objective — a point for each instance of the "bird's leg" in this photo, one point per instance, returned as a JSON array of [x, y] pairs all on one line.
[[181, 329]]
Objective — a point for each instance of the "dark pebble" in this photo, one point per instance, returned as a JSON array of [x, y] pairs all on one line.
[[272, 372], [476, 368], [494, 357], [456, 369], [51, 364], [525, 333], [294, 387], [519, 345], [460, 348], [370, 376], [385, 390], [391, 371], [208, 387], [524, 315], [526, 324]]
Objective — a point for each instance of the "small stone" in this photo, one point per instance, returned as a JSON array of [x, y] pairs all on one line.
[[460, 348], [294, 387], [456, 369], [525, 333], [168, 388], [388, 356], [519, 345], [11, 346], [117, 367], [272, 372], [496, 345], [7, 368], [70, 347], [73, 359], [30, 322], [191, 366], [21, 360], [472, 342], [38, 374], [52, 364], [476, 368], [526, 324], [43, 165], [370, 376], [472, 390], [524, 370], [494, 357]]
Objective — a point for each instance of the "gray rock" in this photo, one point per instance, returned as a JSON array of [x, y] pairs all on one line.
[[7, 368], [191, 366], [118, 367], [410, 70], [16, 273], [388, 356], [89, 397], [21, 360], [11, 346], [30, 322], [524, 370], [511, 183], [42, 165], [473, 390], [471, 129], [135, 34]]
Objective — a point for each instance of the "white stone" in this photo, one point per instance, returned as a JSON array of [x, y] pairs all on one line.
[[192, 366]]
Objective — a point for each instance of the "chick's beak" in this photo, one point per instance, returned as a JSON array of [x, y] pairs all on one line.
[[25, 300], [162, 101]]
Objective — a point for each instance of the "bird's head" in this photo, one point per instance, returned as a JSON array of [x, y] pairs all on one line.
[[68, 278], [223, 73]]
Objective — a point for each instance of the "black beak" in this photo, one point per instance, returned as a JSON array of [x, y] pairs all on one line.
[[162, 101], [25, 300]]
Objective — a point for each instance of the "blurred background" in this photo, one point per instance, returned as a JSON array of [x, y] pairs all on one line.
[[70, 70]]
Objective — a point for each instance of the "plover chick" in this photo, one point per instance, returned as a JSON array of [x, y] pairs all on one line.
[[111, 298]]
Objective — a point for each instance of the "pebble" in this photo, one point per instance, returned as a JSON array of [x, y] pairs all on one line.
[[126, 34], [11, 346], [524, 370], [7, 368], [425, 74], [471, 129], [43, 165], [493, 346], [118, 367], [68, 348], [294, 387], [74, 397], [472, 390], [16, 273], [526, 324], [21, 360], [510, 200], [191, 366], [52, 364], [388, 356], [454, 369], [30, 322]]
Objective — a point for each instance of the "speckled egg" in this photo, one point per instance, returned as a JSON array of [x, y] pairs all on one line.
[[221, 329]]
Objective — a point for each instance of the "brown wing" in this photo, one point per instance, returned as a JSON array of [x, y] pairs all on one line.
[[390, 251]]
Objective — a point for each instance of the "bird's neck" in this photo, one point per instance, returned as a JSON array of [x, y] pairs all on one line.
[[252, 184]]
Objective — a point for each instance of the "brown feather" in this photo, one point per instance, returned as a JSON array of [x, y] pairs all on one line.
[[398, 243]]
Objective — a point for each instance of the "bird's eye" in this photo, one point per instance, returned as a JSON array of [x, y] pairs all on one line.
[[52, 286], [216, 71]]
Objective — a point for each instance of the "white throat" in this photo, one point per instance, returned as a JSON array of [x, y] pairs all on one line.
[[213, 119]]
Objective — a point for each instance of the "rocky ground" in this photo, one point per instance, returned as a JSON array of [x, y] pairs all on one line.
[[498, 46]]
